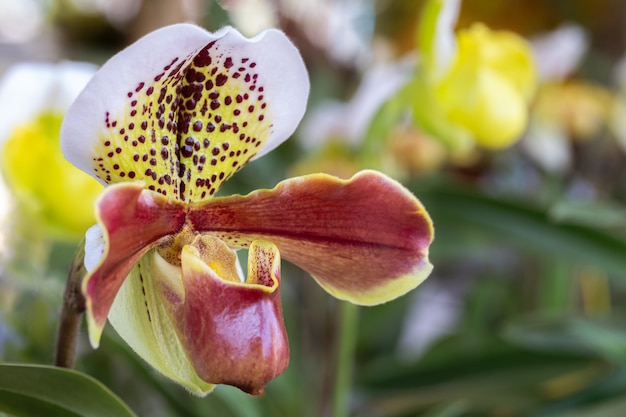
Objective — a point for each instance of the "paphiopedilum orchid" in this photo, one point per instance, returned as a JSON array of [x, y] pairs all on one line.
[[163, 124]]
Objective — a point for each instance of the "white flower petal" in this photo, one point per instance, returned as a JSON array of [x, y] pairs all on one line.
[[94, 247]]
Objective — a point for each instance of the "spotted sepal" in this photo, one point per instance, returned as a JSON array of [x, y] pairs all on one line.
[[183, 109]]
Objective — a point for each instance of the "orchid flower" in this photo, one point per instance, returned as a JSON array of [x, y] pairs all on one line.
[[30, 119], [474, 86], [163, 124]]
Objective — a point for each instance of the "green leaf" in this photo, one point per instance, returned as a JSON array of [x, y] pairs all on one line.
[[36, 390], [603, 338], [598, 214], [521, 224], [483, 374]]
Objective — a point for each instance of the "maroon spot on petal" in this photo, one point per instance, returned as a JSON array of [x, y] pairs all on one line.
[[203, 59], [187, 151], [221, 79], [190, 76]]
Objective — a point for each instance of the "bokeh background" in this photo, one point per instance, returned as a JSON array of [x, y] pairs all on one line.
[[525, 312]]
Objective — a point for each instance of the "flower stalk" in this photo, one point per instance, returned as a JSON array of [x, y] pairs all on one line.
[[346, 345], [71, 312]]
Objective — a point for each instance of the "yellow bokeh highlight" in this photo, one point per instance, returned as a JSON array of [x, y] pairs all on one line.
[[49, 191]]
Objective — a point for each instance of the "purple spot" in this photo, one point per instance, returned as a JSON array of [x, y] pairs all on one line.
[[221, 79]]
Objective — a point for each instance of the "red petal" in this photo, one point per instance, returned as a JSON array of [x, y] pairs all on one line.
[[132, 220], [364, 240]]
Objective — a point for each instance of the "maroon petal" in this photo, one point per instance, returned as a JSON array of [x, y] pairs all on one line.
[[132, 221], [365, 239]]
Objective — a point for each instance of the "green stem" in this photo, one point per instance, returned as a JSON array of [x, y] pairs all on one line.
[[71, 312], [346, 346]]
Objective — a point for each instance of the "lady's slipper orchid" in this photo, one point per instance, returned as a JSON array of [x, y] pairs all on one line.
[[164, 123], [33, 99], [472, 87]]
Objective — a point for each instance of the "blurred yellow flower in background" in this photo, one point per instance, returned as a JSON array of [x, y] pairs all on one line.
[[50, 194], [472, 88]]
